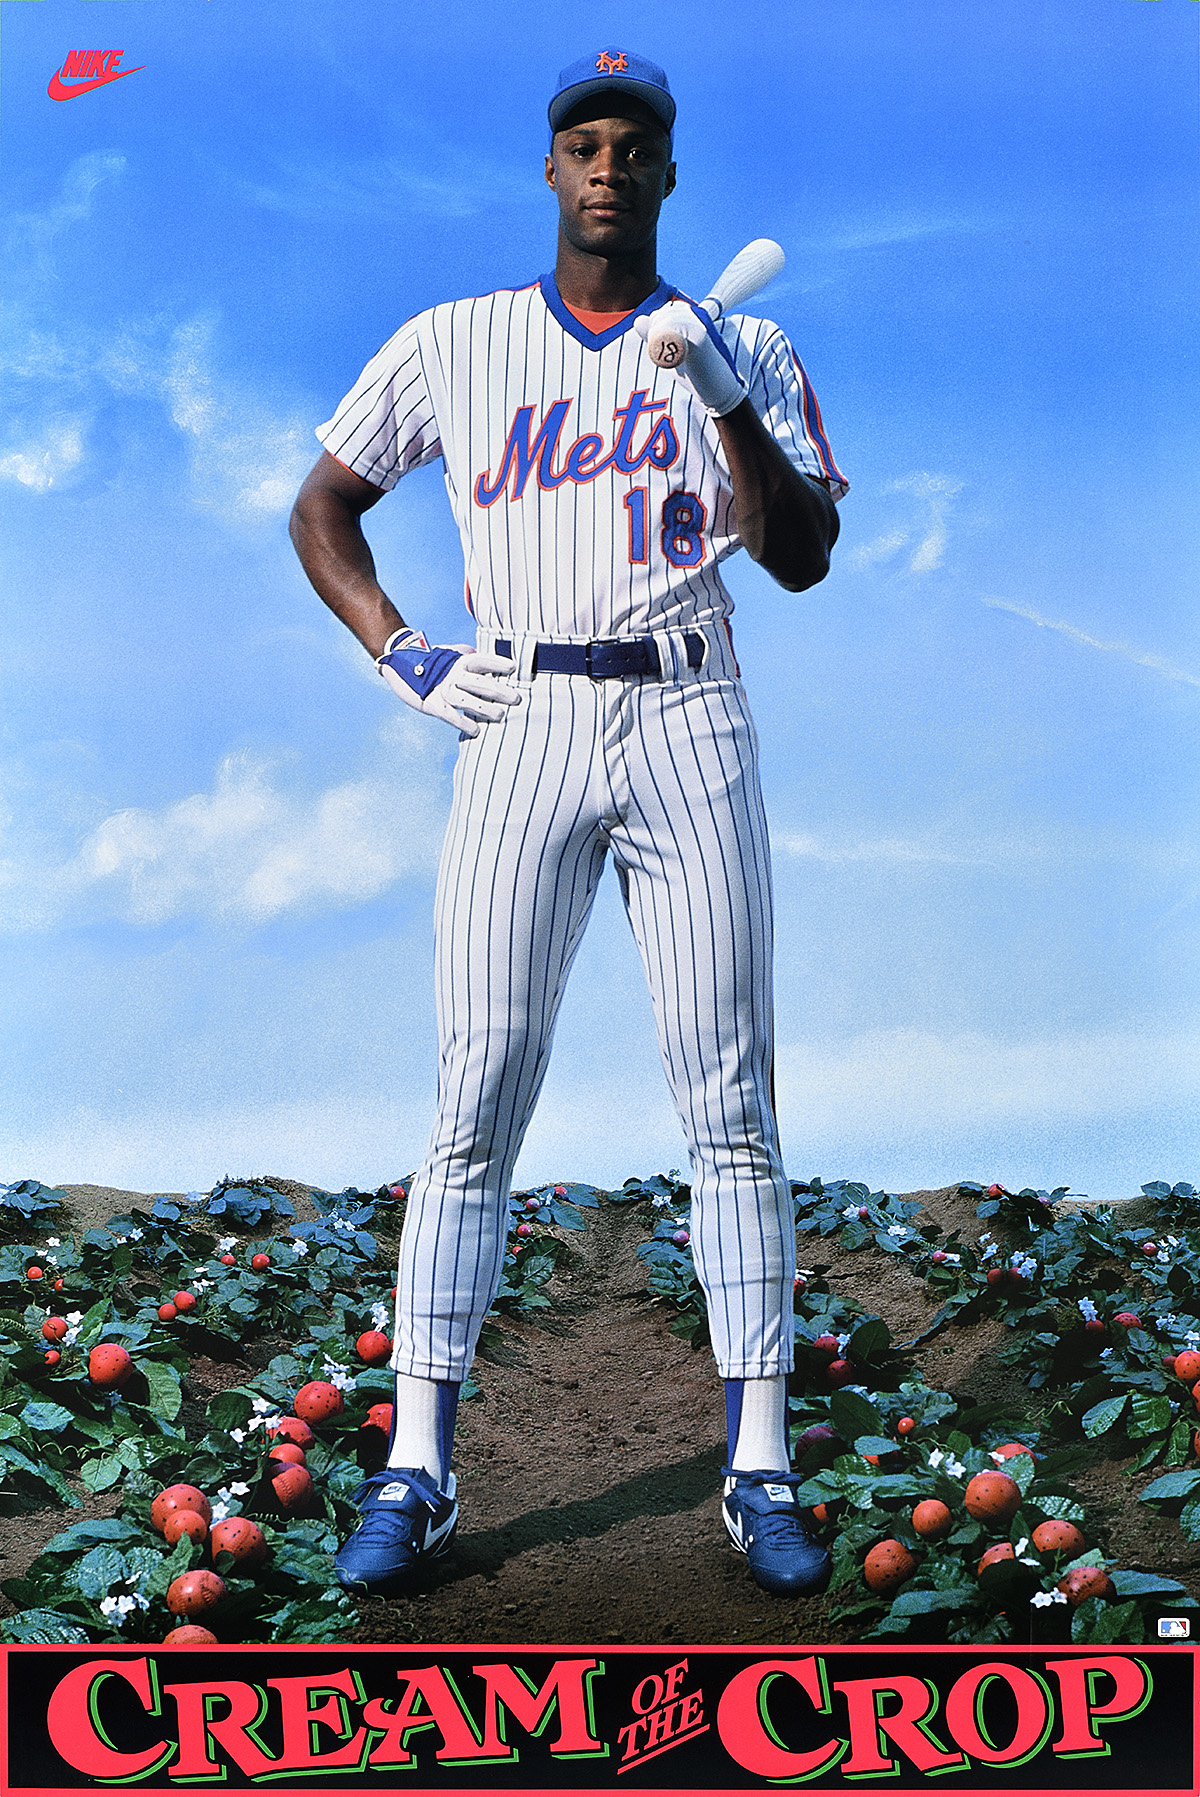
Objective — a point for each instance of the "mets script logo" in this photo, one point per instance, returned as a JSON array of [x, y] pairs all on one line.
[[86, 69], [611, 65], [588, 457]]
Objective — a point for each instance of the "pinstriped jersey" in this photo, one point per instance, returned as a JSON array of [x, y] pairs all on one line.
[[589, 485]]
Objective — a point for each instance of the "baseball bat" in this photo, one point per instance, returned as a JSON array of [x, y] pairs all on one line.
[[749, 271]]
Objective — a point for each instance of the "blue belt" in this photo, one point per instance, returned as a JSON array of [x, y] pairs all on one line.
[[610, 659]]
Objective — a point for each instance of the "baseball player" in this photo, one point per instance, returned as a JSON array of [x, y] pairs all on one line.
[[599, 712]]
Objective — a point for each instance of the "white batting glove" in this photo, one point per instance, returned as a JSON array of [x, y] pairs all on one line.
[[703, 366], [458, 684]]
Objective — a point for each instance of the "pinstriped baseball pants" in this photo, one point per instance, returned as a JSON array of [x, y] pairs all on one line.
[[663, 775]]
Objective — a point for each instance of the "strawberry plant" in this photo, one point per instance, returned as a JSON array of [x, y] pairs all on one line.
[[25, 1200]]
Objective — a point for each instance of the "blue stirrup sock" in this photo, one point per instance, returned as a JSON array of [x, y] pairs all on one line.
[[756, 1424], [423, 1417]]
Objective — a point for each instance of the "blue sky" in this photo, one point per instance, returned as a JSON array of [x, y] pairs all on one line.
[[979, 733]]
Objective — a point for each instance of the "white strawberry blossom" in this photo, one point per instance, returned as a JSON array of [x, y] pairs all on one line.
[[660, 1203], [1025, 1264], [123, 1606], [850, 1212], [901, 1231], [238, 1435], [338, 1375], [135, 1235], [1192, 1338], [381, 1315], [1088, 1311], [52, 1241], [843, 1342], [298, 1246], [73, 1320], [227, 1496], [225, 1243], [1041, 1600]]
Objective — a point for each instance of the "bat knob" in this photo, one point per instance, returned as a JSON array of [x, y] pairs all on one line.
[[667, 348]]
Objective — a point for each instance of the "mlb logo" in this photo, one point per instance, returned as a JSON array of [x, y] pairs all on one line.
[[1174, 1628]]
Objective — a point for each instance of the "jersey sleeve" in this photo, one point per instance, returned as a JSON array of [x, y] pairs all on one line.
[[385, 425], [782, 395]]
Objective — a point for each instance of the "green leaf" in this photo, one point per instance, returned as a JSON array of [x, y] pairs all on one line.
[[870, 1338], [166, 1398], [1094, 1621], [82, 1535], [52, 1418], [100, 1474], [1180, 1443], [875, 1444], [1101, 1417], [38, 1627], [230, 1410], [852, 1415], [1179, 1484], [1149, 1415], [100, 1569], [924, 1603], [1149, 1584]]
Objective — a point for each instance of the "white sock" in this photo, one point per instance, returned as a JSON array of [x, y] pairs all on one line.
[[762, 1440], [415, 1442]]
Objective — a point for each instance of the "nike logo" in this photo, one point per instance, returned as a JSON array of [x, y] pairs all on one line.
[[85, 70], [433, 1536]]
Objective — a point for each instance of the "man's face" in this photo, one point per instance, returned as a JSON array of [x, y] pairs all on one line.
[[611, 176]]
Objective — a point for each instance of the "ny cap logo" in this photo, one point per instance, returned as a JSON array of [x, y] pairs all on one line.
[[611, 65]]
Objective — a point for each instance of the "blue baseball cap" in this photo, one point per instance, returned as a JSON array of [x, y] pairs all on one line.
[[605, 71]]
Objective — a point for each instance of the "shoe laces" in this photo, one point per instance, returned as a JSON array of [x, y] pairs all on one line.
[[395, 1475]]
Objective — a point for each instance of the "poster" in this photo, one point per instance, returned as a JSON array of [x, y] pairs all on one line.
[[977, 733]]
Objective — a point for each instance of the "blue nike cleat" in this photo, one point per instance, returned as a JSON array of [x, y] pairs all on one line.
[[406, 1523], [767, 1525]]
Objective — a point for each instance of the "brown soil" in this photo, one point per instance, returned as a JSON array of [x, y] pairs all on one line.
[[589, 1465]]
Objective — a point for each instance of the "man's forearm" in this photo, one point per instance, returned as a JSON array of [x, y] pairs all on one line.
[[336, 556], [787, 523]]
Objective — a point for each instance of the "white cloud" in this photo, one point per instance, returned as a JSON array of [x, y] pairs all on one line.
[[247, 456], [384, 187], [44, 462], [900, 228], [1103, 1111], [37, 231], [933, 493], [1125, 650], [247, 460], [805, 847], [904, 1080], [250, 850]]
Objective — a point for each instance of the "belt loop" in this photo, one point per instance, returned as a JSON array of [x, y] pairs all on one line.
[[673, 655], [523, 652]]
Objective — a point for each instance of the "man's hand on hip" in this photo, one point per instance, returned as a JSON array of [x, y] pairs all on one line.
[[458, 684]]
